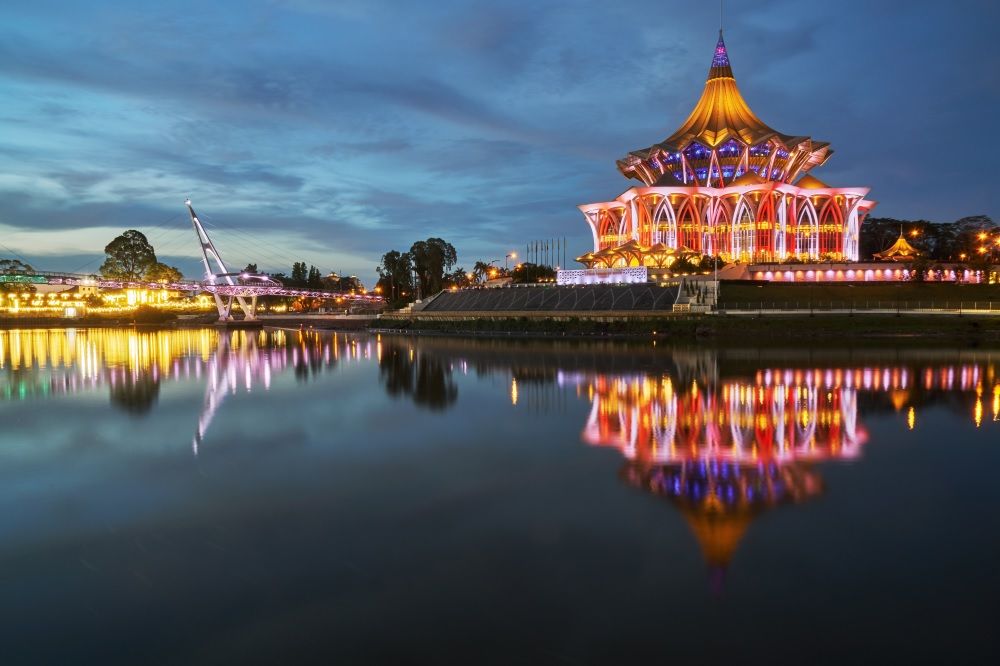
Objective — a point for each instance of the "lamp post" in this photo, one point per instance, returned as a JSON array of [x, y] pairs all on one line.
[[512, 255]]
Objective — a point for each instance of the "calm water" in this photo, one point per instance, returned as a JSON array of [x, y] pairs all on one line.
[[191, 498]]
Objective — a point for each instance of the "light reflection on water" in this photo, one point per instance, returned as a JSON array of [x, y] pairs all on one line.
[[725, 437]]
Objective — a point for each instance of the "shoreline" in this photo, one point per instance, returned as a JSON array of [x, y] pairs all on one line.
[[765, 327], [784, 328]]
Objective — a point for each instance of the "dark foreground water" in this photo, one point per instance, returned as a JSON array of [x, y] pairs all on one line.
[[191, 498]]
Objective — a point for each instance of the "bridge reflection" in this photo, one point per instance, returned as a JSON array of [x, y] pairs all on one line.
[[132, 364]]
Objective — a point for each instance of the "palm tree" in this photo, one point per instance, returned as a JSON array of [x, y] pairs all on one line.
[[481, 271]]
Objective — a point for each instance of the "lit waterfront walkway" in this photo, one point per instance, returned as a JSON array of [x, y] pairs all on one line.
[[967, 308]]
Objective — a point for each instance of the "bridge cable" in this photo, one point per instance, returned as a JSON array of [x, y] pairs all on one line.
[[17, 256], [268, 252], [258, 246]]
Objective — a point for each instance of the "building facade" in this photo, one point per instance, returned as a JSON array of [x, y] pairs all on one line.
[[727, 185]]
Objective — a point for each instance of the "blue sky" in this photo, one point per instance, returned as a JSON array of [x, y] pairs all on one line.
[[331, 132]]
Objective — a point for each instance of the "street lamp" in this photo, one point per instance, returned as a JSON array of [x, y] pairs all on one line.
[[512, 255]]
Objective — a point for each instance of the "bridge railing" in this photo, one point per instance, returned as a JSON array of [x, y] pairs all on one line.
[[242, 287]]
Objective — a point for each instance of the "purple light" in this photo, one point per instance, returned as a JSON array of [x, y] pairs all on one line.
[[731, 148], [721, 58], [696, 151]]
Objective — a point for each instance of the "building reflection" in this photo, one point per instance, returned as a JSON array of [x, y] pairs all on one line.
[[724, 451], [133, 364]]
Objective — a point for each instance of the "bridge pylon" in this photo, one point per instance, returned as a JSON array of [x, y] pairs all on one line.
[[209, 254]]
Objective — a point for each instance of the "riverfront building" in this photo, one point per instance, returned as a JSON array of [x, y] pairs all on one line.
[[725, 184]]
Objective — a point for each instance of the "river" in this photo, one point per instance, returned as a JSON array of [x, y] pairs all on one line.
[[196, 497]]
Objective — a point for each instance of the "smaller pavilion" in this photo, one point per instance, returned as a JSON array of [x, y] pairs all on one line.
[[901, 250]]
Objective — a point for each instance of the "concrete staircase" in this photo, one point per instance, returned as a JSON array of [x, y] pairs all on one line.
[[696, 295]]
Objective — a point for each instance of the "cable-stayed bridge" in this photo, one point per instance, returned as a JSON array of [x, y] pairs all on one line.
[[227, 288]]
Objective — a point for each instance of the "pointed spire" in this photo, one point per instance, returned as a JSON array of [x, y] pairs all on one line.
[[720, 61]]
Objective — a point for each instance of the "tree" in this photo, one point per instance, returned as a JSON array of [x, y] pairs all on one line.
[[395, 273], [480, 272], [528, 272], [17, 274], [129, 257], [250, 268], [351, 283], [459, 278], [159, 272], [314, 280], [300, 274], [345, 284], [432, 258]]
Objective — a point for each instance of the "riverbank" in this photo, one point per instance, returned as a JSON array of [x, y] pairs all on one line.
[[744, 327], [722, 327], [320, 322]]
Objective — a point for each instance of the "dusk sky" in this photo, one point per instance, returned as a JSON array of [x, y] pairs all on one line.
[[331, 132]]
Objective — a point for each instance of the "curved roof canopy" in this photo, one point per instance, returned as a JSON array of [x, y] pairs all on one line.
[[811, 182], [722, 113], [722, 126], [899, 251]]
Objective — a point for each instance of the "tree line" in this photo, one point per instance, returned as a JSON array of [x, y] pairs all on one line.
[[957, 241], [429, 266], [131, 258]]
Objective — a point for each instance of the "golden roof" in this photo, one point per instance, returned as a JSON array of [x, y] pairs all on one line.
[[749, 178], [722, 113], [810, 182], [635, 254], [718, 534], [722, 116], [900, 250]]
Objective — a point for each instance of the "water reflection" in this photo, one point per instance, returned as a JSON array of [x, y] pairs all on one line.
[[721, 435], [723, 450], [425, 378], [136, 393], [133, 364]]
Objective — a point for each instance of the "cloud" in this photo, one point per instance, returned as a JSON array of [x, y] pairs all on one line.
[[336, 131]]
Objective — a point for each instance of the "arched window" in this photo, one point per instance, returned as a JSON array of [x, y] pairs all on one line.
[[852, 235], [831, 230], [664, 224], [807, 231], [688, 227], [610, 229], [744, 234]]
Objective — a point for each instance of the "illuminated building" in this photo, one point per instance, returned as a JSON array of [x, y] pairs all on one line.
[[726, 184], [901, 250]]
